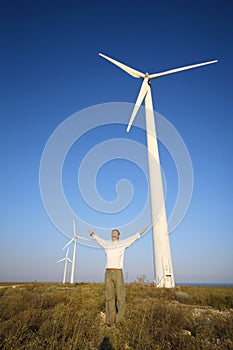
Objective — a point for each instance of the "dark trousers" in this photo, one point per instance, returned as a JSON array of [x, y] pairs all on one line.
[[115, 295]]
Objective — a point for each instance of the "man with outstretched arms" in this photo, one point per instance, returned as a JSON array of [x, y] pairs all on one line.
[[114, 282]]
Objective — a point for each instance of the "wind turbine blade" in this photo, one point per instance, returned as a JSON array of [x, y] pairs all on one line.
[[68, 243], [68, 259], [135, 73], [176, 70], [141, 96], [85, 239], [67, 252], [74, 228], [61, 260]]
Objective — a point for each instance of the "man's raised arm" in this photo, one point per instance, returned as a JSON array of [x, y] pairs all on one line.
[[143, 230], [129, 241], [99, 240], [91, 232]]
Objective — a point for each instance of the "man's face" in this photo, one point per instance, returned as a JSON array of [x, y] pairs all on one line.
[[115, 235]]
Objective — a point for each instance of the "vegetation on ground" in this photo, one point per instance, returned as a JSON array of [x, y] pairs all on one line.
[[61, 317]]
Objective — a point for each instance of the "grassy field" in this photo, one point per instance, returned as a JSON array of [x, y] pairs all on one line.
[[54, 316]]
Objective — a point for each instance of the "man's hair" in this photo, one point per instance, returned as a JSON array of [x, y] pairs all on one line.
[[116, 231]]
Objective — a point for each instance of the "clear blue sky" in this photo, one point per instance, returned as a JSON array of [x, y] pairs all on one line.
[[50, 70]]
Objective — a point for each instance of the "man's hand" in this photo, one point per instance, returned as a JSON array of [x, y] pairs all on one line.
[[91, 232], [144, 230]]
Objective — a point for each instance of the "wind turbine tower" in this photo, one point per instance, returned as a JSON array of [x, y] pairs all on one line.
[[74, 239], [163, 269], [66, 259]]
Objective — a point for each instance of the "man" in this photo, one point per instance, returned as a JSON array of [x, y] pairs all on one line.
[[114, 282]]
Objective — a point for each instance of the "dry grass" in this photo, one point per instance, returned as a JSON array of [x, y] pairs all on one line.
[[55, 316]]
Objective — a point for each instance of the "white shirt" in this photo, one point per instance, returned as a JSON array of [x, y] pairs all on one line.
[[115, 250]]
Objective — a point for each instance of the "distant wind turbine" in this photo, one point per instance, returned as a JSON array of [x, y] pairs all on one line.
[[66, 259], [164, 276], [74, 239]]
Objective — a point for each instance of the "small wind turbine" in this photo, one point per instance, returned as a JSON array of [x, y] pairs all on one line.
[[66, 259], [74, 239], [163, 269]]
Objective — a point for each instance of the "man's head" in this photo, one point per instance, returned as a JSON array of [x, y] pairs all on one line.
[[115, 235]]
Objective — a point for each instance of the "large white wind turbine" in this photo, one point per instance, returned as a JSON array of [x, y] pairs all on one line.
[[66, 259], [74, 239], [164, 276]]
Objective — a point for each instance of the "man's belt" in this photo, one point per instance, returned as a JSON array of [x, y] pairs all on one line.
[[112, 269]]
